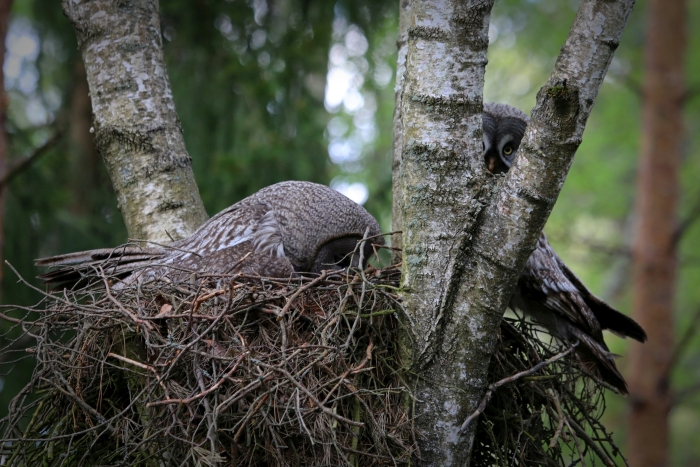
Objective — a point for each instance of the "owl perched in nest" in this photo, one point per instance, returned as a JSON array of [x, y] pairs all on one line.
[[548, 291], [282, 230]]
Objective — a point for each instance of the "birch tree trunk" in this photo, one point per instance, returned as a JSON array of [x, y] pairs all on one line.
[[136, 129], [654, 249], [467, 235], [397, 192]]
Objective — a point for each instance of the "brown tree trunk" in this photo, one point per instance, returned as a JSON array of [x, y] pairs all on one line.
[[84, 159], [654, 255], [5, 7]]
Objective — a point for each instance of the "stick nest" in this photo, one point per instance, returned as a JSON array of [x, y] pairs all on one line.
[[259, 372]]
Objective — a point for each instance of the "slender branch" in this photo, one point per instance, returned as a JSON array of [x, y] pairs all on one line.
[[205, 392], [310, 395], [686, 223], [132, 362], [492, 388], [683, 393], [20, 165], [589, 442], [70, 393], [685, 340], [128, 313]]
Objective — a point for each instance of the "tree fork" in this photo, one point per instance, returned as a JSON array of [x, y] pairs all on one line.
[[467, 235]]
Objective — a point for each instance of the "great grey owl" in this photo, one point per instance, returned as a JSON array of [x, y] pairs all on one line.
[[285, 229], [548, 291]]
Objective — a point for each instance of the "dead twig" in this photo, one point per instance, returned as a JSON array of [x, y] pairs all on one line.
[[510, 379]]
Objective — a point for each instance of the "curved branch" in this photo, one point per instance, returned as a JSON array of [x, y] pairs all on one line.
[[20, 165]]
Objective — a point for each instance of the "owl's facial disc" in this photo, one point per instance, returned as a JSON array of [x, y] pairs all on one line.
[[506, 150], [340, 253]]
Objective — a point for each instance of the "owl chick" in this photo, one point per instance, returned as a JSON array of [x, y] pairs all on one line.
[[282, 230], [548, 291]]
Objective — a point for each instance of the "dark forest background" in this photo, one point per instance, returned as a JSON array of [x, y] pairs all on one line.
[[277, 90]]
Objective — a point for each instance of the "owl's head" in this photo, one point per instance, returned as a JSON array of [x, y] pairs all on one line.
[[504, 127], [317, 227]]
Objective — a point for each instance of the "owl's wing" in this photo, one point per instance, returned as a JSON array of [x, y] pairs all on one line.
[[607, 317], [549, 279], [220, 245], [545, 280], [552, 295], [86, 267]]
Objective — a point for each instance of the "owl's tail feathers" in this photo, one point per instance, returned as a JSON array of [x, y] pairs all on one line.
[[614, 321], [86, 267], [596, 359]]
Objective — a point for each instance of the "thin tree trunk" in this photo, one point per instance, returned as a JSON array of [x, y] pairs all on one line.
[[654, 250], [5, 8], [136, 129], [466, 234]]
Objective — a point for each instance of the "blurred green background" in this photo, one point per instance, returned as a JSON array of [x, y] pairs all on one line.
[[277, 90]]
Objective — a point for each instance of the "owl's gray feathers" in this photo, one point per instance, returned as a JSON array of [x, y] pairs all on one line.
[[548, 291], [502, 111], [552, 295], [285, 229]]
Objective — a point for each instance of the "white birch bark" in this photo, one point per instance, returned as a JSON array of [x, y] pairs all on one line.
[[136, 129], [397, 192], [466, 234], [441, 184]]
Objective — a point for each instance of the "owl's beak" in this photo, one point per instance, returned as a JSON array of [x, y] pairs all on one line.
[[491, 163]]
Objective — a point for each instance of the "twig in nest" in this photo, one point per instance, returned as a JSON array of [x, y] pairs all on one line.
[[589, 442], [133, 317], [348, 372], [298, 292], [206, 392], [510, 379], [308, 393], [560, 423], [576, 443], [70, 393]]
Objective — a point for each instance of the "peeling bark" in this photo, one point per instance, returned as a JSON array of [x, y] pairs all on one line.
[[654, 250], [136, 129], [467, 235]]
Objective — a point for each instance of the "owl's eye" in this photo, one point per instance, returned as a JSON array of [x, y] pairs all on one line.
[[507, 150]]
